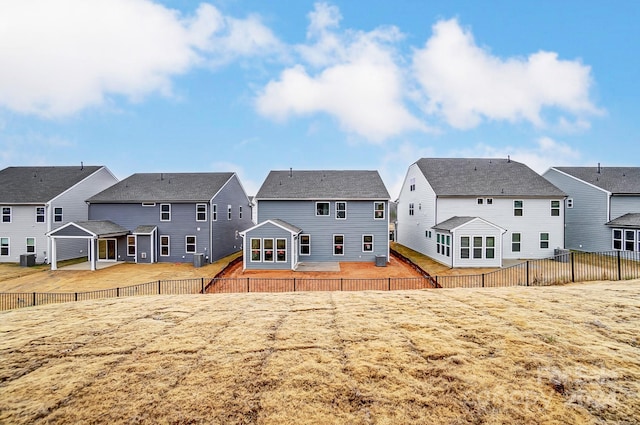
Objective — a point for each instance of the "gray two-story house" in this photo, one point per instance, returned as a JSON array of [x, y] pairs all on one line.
[[165, 217], [37, 200], [318, 216], [602, 207]]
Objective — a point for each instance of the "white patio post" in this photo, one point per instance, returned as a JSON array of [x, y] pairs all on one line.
[[92, 253], [54, 260]]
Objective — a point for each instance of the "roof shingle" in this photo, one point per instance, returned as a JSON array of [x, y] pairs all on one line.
[[617, 180]]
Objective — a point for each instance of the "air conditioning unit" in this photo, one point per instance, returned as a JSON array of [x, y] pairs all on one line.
[[143, 255]]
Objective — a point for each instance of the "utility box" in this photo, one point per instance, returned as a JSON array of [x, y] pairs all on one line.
[[381, 261], [198, 260], [27, 260]]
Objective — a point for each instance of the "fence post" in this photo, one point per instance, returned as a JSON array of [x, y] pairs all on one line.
[[34, 298], [247, 284], [117, 292], [76, 296], [202, 284], [527, 272], [573, 269], [158, 287], [619, 273], [294, 284], [389, 284], [341, 284], [483, 280]]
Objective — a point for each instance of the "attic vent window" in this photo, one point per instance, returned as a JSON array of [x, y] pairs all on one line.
[[148, 204]]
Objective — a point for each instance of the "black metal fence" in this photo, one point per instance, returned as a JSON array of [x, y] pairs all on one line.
[[563, 268]]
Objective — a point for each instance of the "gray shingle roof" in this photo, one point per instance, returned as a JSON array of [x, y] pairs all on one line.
[[288, 226], [323, 184], [164, 187], [617, 180], [493, 177], [627, 220], [38, 185], [144, 229], [452, 223]]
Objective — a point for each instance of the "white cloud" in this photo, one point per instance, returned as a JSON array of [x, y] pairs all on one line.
[[545, 153], [467, 84], [250, 186], [359, 82], [395, 162], [59, 57]]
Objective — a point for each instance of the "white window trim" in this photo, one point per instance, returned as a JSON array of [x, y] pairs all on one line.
[[265, 249], [518, 208], [2, 214], [384, 210], [55, 215], [372, 243], [27, 245], [148, 204], [285, 250], [186, 244], [480, 201], [474, 247], [168, 245], [134, 245], [201, 212], [487, 247], [412, 208], [251, 249], [240, 212], [488, 201], [8, 246], [301, 245], [43, 215], [328, 214], [214, 212], [163, 212], [547, 241], [554, 208], [229, 212], [569, 203], [468, 247], [334, 244], [345, 210]]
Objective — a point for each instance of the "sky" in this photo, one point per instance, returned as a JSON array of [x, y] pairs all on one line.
[[253, 86]]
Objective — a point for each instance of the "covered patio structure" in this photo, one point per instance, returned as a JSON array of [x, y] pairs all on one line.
[[94, 231]]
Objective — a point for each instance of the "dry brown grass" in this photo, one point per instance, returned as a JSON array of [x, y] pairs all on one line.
[[567, 354]]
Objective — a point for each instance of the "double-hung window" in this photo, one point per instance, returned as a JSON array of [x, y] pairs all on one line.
[[256, 249], [443, 244], [490, 247], [31, 245], [378, 210], [322, 208], [190, 244], [267, 249], [367, 243], [6, 214], [240, 212], [544, 240], [518, 208], [412, 184], [305, 244], [165, 244], [40, 216], [281, 250], [131, 245], [338, 244], [228, 212], [555, 208], [4, 246], [341, 210], [57, 215], [629, 240], [515, 242], [201, 212], [411, 208], [477, 247], [464, 247], [165, 212], [214, 212]]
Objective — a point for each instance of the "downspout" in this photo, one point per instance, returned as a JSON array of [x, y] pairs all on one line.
[[210, 220], [49, 218]]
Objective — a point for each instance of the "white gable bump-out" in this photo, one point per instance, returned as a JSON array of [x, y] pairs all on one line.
[[90, 230], [282, 238]]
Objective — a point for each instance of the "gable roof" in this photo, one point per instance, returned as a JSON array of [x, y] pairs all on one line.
[[627, 220], [38, 185], [93, 228], [617, 180], [323, 184], [455, 222], [164, 187], [493, 177], [294, 230]]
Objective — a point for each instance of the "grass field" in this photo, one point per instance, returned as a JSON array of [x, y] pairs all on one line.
[[563, 354]]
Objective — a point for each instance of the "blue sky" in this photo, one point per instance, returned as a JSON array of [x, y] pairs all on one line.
[[250, 86]]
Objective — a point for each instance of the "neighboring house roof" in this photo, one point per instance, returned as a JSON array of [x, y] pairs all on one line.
[[95, 228], [627, 220], [276, 222], [323, 184], [38, 185], [617, 180], [458, 221], [164, 187], [493, 177]]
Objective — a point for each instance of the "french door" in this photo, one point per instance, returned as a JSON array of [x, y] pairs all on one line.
[[107, 250]]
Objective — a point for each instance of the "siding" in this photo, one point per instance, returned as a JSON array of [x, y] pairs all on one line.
[[471, 229], [585, 228], [23, 225], [359, 222], [621, 205], [270, 231]]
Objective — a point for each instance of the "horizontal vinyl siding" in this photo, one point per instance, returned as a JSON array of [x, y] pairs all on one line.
[[268, 231], [23, 224], [477, 228], [621, 205], [411, 229], [359, 222], [585, 228]]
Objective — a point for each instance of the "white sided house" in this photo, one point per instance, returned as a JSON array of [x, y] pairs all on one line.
[[602, 208], [476, 212], [36, 200]]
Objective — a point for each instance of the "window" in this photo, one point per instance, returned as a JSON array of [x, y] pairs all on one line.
[[201, 212], [464, 247], [338, 244], [214, 212], [411, 209], [240, 212], [517, 208], [489, 201], [378, 210], [480, 201], [40, 217], [427, 233], [629, 241], [569, 202], [164, 246], [555, 208], [305, 244], [267, 247], [131, 245], [341, 210], [617, 239], [412, 184], [148, 204], [4, 246], [490, 247], [544, 240], [57, 214], [228, 212], [515, 242], [190, 244], [477, 247], [367, 243], [6, 214], [322, 208], [165, 212], [256, 251], [281, 250], [443, 244], [31, 245]]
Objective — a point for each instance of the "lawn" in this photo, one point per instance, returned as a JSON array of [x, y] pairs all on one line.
[[562, 354]]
